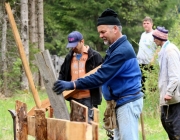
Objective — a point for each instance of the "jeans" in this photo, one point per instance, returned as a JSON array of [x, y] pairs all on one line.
[[127, 120]]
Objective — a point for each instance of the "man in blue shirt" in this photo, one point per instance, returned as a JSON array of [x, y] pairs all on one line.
[[119, 76]]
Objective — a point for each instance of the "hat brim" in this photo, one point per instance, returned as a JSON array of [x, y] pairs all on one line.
[[72, 45], [159, 38]]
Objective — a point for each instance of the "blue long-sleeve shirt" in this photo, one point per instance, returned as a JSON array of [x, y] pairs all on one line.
[[119, 75]]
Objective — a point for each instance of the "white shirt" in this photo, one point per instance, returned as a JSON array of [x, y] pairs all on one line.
[[146, 48]]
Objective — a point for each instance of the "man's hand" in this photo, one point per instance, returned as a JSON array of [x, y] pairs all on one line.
[[167, 97], [60, 86]]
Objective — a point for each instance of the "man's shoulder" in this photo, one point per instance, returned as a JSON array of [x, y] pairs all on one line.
[[69, 55], [172, 47], [93, 51], [146, 33]]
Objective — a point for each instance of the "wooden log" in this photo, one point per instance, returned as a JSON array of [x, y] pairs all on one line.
[[21, 121], [79, 112], [40, 124], [22, 55], [47, 71]]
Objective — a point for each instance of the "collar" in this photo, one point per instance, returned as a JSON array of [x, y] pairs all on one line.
[[165, 44], [116, 44], [116, 41], [84, 50]]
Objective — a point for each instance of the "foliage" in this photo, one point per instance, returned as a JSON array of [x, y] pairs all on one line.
[[13, 74], [54, 37], [174, 33], [63, 16], [151, 101]]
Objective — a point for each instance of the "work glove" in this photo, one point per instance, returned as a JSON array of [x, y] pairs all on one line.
[[60, 86]]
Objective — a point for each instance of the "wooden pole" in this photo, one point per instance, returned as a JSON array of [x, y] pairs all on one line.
[[142, 127], [22, 55]]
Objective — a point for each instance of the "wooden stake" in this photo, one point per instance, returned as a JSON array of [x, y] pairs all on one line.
[[142, 127], [22, 55]]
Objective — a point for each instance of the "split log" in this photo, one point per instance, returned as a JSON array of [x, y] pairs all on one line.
[[21, 121]]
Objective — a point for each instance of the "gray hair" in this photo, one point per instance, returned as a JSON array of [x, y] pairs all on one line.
[[119, 26]]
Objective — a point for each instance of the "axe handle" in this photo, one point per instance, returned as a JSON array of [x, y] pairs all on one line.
[[22, 55]]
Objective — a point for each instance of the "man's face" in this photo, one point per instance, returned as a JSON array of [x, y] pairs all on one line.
[[79, 46], [147, 25], [106, 33], [158, 42]]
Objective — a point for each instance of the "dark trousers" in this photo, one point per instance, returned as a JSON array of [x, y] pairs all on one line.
[[170, 118], [87, 102]]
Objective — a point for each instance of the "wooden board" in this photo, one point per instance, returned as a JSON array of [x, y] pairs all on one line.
[[69, 93], [79, 112], [58, 129], [31, 125], [95, 130], [47, 71], [96, 115]]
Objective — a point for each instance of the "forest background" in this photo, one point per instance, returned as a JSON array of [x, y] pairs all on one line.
[[46, 24]]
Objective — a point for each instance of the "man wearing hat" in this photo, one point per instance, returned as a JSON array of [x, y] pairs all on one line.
[[169, 83], [119, 76], [80, 60]]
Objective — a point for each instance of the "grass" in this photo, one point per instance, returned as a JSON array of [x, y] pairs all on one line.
[[6, 122], [153, 127]]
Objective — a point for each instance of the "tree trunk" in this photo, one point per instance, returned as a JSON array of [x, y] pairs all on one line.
[[33, 36], [3, 54], [40, 32], [25, 39]]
